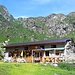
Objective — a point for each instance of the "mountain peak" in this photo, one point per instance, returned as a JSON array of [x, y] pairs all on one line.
[[4, 12]]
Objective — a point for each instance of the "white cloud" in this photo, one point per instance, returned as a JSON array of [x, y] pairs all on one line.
[[21, 17], [41, 1]]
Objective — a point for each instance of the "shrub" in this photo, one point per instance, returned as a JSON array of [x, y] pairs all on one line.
[[66, 66]]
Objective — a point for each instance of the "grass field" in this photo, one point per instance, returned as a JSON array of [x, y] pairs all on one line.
[[31, 69]]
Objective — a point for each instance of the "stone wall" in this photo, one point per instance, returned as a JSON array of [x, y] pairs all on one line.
[[69, 51]]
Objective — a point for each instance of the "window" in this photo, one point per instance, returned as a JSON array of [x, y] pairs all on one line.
[[36, 54], [47, 53], [26, 48], [41, 47]]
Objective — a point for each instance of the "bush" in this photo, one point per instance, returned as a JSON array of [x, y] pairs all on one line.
[[66, 66]]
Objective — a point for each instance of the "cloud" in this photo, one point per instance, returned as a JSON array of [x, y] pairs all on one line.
[[21, 17], [42, 1], [25, 16]]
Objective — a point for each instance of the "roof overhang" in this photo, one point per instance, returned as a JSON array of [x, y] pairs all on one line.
[[63, 40]]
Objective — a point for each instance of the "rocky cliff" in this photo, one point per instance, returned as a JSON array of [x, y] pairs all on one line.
[[58, 24]]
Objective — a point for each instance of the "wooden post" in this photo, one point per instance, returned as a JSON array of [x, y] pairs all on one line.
[[32, 57], [44, 56], [39, 54]]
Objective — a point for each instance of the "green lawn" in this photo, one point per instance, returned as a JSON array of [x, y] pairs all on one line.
[[31, 69]]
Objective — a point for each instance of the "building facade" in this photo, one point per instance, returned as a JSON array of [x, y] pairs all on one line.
[[39, 51]]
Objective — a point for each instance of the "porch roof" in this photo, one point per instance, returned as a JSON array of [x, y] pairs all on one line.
[[47, 49], [62, 48]]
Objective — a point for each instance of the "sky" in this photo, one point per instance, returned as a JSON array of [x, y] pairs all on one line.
[[35, 8]]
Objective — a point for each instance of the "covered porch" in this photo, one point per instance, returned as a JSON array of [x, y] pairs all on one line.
[[40, 55], [33, 55], [54, 55]]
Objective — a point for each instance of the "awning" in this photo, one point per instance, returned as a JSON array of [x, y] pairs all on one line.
[[46, 49]]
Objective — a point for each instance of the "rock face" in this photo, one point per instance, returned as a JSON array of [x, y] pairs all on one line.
[[58, 24], [70, 51]]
